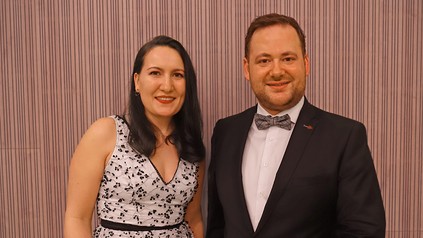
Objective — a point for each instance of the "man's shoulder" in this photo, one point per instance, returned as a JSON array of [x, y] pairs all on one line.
[[335, 119]]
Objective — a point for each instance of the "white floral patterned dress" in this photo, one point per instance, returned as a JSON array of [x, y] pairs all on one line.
[[132, 192]]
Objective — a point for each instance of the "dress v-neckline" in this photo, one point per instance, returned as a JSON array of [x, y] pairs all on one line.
[[160, 176], [151, 162]]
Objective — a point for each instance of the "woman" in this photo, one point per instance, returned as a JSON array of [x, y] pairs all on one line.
[[143, 170]]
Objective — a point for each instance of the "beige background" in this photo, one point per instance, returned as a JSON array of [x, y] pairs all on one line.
[[66, 63]]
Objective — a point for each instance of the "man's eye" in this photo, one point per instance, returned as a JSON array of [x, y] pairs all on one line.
[[263, 61]]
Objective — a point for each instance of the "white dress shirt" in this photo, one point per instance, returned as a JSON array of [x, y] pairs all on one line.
[[262, 156]]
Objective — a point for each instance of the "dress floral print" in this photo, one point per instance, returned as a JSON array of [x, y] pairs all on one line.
[[133, 192]]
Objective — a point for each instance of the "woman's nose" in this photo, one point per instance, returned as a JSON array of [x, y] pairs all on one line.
[[167, 84]]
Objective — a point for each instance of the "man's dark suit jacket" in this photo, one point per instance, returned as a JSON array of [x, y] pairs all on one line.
[[326, 185]]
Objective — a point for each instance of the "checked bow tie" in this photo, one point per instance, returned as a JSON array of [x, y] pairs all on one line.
[[264, 122]]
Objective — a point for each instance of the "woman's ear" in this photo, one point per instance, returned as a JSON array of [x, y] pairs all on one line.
[[136, 81]]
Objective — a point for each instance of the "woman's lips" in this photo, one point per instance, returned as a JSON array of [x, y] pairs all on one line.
[[165, 100]]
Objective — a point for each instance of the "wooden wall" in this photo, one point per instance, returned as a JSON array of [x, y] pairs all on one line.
[[66, 63]]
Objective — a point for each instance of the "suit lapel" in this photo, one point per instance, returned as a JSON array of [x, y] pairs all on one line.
[[241, 129], [303, 130]]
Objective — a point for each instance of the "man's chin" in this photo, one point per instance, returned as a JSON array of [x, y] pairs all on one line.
[[277, 105]]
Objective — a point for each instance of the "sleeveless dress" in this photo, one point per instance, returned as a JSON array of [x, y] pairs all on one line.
[[133, 192]]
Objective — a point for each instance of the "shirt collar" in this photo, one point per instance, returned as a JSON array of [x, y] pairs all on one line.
[[293, 112]]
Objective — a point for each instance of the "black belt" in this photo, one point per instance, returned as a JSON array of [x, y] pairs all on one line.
[[129, 227]]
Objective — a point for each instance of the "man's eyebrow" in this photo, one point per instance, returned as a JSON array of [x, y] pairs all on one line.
[[286, 53], [263, 54]]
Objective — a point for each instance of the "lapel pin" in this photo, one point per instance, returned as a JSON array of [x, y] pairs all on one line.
[[308, 127]]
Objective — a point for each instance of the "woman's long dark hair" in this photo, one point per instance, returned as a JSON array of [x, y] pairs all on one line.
[[187, 134]]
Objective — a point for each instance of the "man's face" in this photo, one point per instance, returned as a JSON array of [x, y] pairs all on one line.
[[276, 67]]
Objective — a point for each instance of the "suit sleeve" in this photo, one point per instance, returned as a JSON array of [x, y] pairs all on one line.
[[215, 218], [360, 211]]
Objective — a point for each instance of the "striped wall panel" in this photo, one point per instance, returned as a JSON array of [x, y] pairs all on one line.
[[66, 63]]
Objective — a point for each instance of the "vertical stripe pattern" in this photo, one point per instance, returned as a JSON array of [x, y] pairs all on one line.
[[66, 63]]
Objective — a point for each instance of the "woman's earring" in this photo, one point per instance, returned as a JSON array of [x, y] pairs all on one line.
[[136, 92]]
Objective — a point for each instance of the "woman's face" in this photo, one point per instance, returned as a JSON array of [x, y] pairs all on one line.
[[161, 83]]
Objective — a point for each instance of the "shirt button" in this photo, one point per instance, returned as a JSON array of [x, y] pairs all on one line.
[[266, 164]]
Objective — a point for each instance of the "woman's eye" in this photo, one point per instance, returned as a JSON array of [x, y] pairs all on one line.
[[179, 75], [154, 73]]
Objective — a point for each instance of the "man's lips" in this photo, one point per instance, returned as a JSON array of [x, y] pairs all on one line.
[[279, 84]]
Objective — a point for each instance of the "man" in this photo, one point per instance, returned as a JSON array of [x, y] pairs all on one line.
[[310, 174]]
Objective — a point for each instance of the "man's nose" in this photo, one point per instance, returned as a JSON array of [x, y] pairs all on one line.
[[277, 69]]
